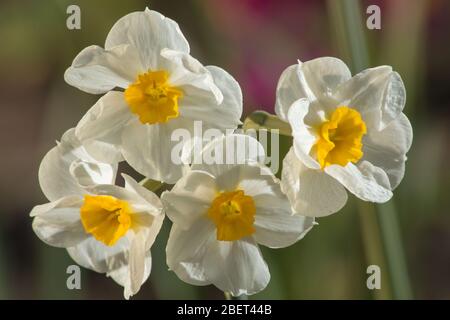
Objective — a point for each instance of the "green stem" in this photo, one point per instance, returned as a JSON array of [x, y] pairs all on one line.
[[373, 245], [381, 232], [155, 186], [263, 120], [394, 251]]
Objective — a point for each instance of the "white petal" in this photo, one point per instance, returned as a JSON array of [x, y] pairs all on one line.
[[96, 256], [58, 223], [314, 80], [149, 32], [55, 178], [154, 215], [152, 231], [136, 264], [275, 224], [276, 227], [387, 149], [365, 181], [304, 140], [151, 198], [236, 266], [186, 250], [223, 154], [71, 148], [148, 148], [320, 77], [104, 151], [121, 275], [311, 192], [256, 180], [231, 91], [88, 174], [120, 193], [54, 171], [57, 169], [288, 90], [221, 116], [102, 127], [190, 198], [96, 70], [377, 93], [191, 76]]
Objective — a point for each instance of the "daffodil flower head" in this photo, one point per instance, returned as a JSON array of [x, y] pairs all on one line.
[[221, 212], [349, 133], [163, 89], [104, 227]]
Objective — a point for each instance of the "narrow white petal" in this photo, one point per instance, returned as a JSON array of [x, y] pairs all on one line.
[[136, 264], [121, 275]]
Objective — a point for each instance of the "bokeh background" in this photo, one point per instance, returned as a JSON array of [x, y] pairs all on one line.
[[254, 40]]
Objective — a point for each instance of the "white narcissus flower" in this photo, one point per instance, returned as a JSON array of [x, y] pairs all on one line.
[[349, 132], [104, 227], [221, 212], [165, 88]]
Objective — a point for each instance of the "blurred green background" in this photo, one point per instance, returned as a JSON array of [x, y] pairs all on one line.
[[254, 40]]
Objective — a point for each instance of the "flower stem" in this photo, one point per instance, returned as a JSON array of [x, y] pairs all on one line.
[[155, 186], [263, 120], [395, 253], [379, 224]]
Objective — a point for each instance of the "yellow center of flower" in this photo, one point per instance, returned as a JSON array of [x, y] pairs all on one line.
[[106, 218], [233, 213], [339, 140], [152, 98]]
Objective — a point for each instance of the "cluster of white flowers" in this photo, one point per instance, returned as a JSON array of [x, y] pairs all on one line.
[[349, 133]]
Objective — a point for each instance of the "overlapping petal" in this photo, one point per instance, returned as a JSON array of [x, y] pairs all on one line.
[[149, 32]]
